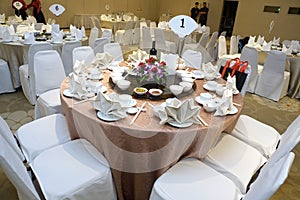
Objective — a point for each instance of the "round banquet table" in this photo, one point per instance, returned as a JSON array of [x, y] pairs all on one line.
[[138, 154]]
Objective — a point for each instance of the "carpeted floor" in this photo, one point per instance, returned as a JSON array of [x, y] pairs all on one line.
[[16, 110]]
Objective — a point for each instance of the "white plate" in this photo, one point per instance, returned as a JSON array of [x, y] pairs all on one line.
[[205, 86], [67, 93], [108, 118], [199, 100], [233, 111], [183, 125]]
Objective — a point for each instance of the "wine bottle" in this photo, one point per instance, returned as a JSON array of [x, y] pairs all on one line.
[[153, 51]]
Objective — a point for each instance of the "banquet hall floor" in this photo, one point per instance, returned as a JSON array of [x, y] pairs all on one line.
[[16, 110]]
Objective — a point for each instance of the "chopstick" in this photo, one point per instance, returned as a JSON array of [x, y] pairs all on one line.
[[236, 104], [202, 120], [137, 114]]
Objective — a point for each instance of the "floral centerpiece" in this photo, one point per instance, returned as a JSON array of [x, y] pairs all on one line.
[[151, 71]]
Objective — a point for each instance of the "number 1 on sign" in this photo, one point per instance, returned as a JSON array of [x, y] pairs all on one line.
[[182, 23]]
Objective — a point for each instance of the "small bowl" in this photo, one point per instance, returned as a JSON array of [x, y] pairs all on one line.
[[140, 90], [209, 77], [123, 84], [132, 110], [187, 86], [205, 96], [155, 92], [210, 106], [176, 89], [212, 84]]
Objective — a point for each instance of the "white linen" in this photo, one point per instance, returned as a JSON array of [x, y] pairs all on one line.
[[226, 104]]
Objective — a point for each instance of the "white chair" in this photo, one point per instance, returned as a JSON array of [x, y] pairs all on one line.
[[222, 47], [115, 50], [6, 84], [107, 34], [26, 71], [93, 36], [223, 33], [236, 160], [103, 32], [125, 36], [146, 39], [192, 179], [83, 53], [152, 27], [273, 81], [67, 53], [99, 44], [196, 46], [77, 171], [49, 73], [210, 47], [162, 44], [233, 49], [192, 58]]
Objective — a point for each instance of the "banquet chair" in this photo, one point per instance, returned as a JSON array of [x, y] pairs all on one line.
[[236, 160], [99, 44], [196, 46], [233, 49], [83, 53], [36, 136], [273, 80], [146, 39], [222, 47], [6, 84], [108, 31], [115, 50], [77, 171], [192, 58], [262, 136], [210, 47], [93, 36], [136, 36], [107, 34], [223, 33], [49, 73], [162, 44], [125, 36], [67, 53], [26, 71]]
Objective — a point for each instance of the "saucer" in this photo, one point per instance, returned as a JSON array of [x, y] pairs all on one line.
[[183, 125], [205, 86], [132, 103], [108, 118], [233, 111], [67, 93]]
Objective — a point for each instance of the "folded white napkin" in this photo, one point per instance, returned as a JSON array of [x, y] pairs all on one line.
[[103, 17], [29, 38], [55, 28], [294, 45], [162, 25], [267, 46], [226, 104], [276, 41], [7, 37], [11, 30], [103, 59], [231, 84], [2, 18], [57, 37], [209, 68], [18, 19], [78, 35], [138, 56], [287, 51], [260, 40], [109, 105], [73, 30], [79, 67], [135, 18], [78, 86], [251, 40], [83, 31], [177, 111]]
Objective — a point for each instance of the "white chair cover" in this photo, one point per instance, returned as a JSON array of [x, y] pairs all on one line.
[[233, 45], [80, 172], [42, 134], [6, 133], [162, 44], [115, 50], [204, 39], [250, 54], [136, 33], [197, 46], [210, 47], [85, 53], [271, 82], [236, 160], [16, 172], [99, 44], [108, 34], [67, 53], [191, 179], [93, 36], [222, 48], [257, 134], [146, 40], [270, 178], [192, 59], [6, 84], [171, 62], [26, 71], [49, 73], [125, 36]]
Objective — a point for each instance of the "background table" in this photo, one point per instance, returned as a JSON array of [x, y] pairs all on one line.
[[140, 153]]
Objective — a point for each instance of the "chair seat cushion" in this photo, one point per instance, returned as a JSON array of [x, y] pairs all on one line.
[[78, 171], [50, 98], [236, 160]]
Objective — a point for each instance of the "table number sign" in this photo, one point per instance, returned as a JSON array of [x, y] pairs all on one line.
[[18, 5], [182, 25], [57, 9]]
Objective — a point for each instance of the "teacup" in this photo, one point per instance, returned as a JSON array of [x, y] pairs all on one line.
[[211, 84], [220, 89], [209, 77], [205, 96], [125, 99], [210, 106]]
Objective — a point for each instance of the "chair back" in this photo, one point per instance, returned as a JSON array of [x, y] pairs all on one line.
[[49, 71], [99, 44], [85, 53], [67, 53], [210, 47], [160, 41], [270, 178], [6, 133], [222, 49], [203, 39], [136, 36], [192, 58], [107, 33], [233, 49], [129, 25], [33, 49], [146, 40], [93, 36], [115, 50], [16, 172], [223, 33]]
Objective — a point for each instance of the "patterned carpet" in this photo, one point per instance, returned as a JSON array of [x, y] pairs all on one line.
[[16, 110]]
